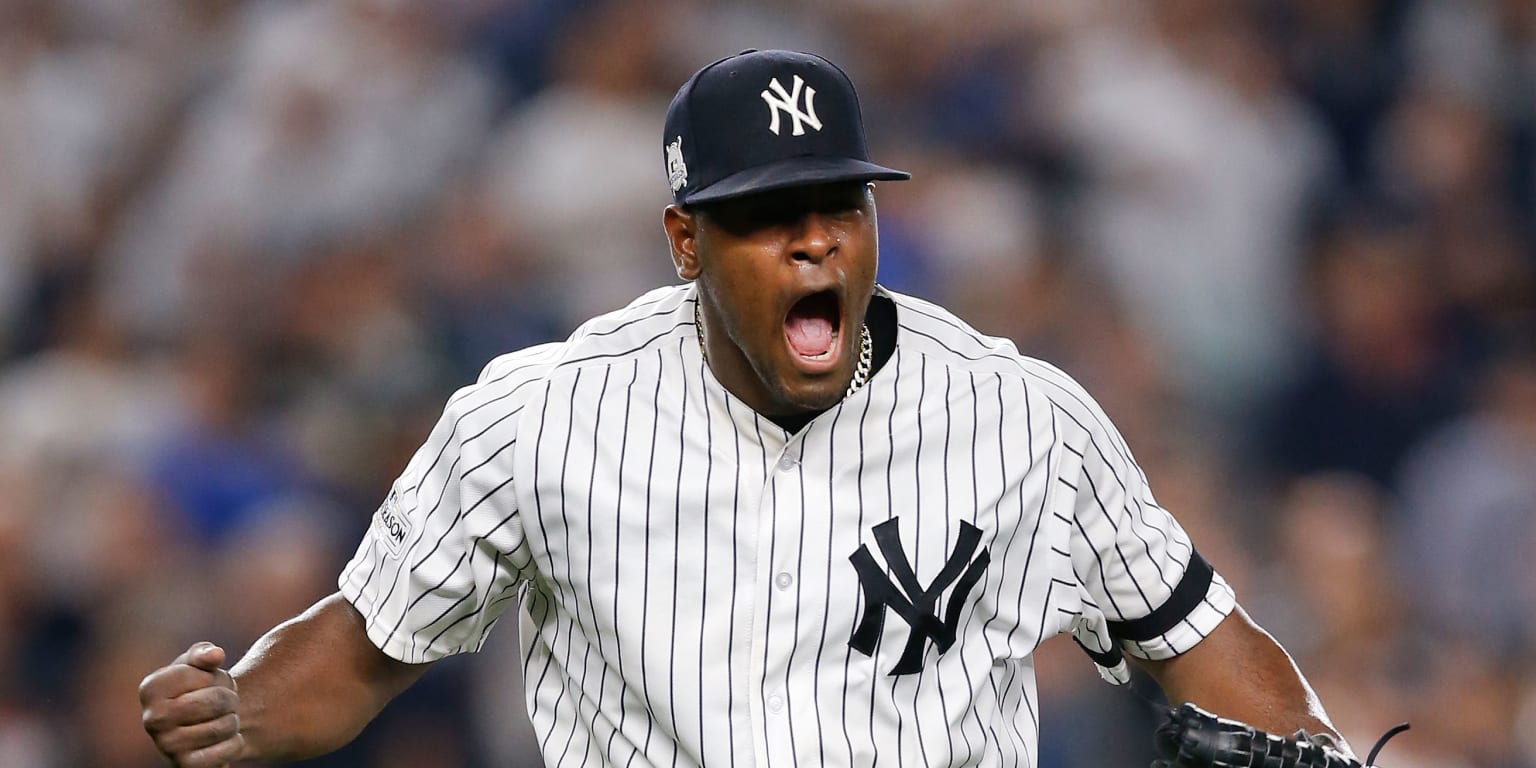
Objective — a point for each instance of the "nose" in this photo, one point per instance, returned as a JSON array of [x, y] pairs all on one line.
[[815, 239]]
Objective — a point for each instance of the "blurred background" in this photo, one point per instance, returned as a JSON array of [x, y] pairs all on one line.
[[248, 247]]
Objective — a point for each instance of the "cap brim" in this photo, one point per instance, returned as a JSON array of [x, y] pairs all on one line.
[[794, 172]]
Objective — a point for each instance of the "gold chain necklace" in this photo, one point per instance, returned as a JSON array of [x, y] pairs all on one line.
[[860, 373]]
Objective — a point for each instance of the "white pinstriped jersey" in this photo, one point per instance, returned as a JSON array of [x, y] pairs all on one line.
[[703, 587]]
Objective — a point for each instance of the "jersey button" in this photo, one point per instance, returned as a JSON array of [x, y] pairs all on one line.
[[787, 463], [783, 580], [775, 703]]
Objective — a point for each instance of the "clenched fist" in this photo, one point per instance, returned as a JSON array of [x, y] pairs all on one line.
[[191, 709]]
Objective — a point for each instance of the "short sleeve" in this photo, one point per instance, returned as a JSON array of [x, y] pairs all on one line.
[[444, 554], [1144, 588]]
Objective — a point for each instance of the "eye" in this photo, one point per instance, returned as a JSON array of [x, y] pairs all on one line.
[[747, 217], [758, 213], [845, 208], [844, 199]]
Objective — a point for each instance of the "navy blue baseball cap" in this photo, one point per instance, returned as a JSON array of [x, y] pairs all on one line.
[[765, 120]]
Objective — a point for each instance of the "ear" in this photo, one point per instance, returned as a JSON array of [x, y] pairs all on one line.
[[682, 233]]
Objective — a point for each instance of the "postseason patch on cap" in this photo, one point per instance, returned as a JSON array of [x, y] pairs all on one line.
[[677, 170]]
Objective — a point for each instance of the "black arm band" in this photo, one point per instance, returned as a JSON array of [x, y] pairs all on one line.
[[1186, 596]]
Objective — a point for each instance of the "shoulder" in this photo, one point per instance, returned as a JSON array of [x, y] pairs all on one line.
[[660, 317], [512, 381], [504, 386], [657, 319], [931, 330], [939, 335]]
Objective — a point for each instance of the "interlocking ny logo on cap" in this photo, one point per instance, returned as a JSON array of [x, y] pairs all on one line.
[[779, 100], [914, 604]]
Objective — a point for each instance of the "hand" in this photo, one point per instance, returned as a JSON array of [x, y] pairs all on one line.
[[191, 709]]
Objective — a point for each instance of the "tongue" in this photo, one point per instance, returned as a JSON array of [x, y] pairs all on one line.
[[809, 336]]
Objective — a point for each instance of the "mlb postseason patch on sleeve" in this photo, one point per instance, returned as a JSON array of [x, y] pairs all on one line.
[[392, 524]]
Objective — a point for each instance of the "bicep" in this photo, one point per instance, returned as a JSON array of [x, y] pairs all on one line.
[[445, 551], [385, 676], [1149, 590]]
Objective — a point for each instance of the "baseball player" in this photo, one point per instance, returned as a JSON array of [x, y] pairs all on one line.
[[777, 515]]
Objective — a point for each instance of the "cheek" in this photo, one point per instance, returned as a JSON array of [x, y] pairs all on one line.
[[746, 267], [743, 288], [860, 248], [741, 284], [862, 267], [870, 264]]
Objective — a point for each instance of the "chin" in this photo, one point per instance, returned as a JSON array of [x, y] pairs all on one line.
[[811, 396]]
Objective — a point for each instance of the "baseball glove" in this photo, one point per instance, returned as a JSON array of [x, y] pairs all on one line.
[[1194, 738]]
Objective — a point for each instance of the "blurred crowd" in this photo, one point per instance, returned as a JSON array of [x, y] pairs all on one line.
[[247, 248]]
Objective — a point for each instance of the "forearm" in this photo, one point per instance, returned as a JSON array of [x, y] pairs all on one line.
[[1240, 672], [310, 685]]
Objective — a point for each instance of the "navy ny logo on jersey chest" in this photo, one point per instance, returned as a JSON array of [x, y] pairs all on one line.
[[909, 599]]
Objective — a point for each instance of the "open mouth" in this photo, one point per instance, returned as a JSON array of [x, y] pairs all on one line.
[[812, 327]]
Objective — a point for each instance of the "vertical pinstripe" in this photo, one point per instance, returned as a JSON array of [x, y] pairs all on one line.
[[688, 593], [890, 504], [917, 557], [732, 660]]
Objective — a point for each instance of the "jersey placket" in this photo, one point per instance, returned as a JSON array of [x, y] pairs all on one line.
[[779, 531]]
